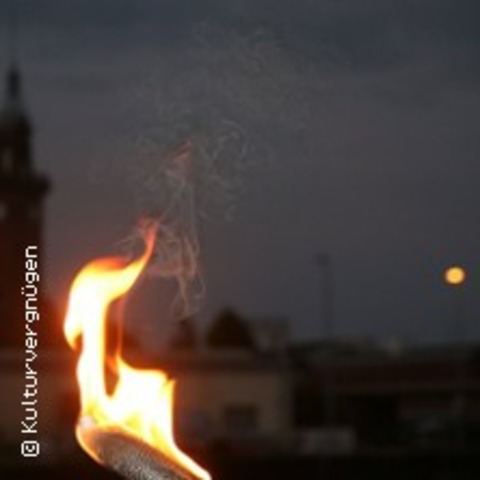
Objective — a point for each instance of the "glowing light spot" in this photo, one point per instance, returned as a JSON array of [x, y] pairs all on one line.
[[455, 275]]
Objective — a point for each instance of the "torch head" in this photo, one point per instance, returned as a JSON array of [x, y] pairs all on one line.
[[131, 458]]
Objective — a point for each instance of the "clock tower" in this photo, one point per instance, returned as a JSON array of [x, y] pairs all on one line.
[[22, 193]]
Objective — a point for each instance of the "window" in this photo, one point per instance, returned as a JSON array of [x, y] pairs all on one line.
[[241, 420]]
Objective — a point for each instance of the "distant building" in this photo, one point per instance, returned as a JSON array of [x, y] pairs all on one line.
[[22, 193], [425, 397]]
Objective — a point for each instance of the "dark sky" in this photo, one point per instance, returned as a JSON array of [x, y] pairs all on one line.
[[360, 122]]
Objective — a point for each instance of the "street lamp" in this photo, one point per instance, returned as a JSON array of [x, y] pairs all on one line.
[[455, 275], [455, 278], [324, 263]]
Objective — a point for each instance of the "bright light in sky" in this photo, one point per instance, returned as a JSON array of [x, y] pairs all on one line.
[[455, 275]]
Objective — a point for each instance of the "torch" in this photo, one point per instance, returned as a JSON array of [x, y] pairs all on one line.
[[130, 428], [128, 456]]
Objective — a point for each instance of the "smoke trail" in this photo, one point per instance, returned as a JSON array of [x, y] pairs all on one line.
[[177, 247], [212, 112]]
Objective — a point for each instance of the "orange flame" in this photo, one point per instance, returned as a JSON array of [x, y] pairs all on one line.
[[142, 400]]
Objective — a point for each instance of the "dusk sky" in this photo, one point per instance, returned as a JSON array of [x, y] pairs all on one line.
[[352, 129]]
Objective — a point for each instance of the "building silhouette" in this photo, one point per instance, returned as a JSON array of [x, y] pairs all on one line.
[[22, 194]]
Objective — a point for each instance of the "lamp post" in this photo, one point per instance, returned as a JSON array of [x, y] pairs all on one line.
[[455, 278], [325, 265]]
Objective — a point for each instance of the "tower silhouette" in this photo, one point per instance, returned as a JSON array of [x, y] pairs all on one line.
[[22, 193]]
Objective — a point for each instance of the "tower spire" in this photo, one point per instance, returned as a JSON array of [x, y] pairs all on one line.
[[12, 40], [13, 87], [13, 80]]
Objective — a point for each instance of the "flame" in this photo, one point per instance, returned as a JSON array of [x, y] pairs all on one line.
[[142, 401]]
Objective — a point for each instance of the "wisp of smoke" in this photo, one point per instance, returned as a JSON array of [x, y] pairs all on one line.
[[177, 246], [217, 108]]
